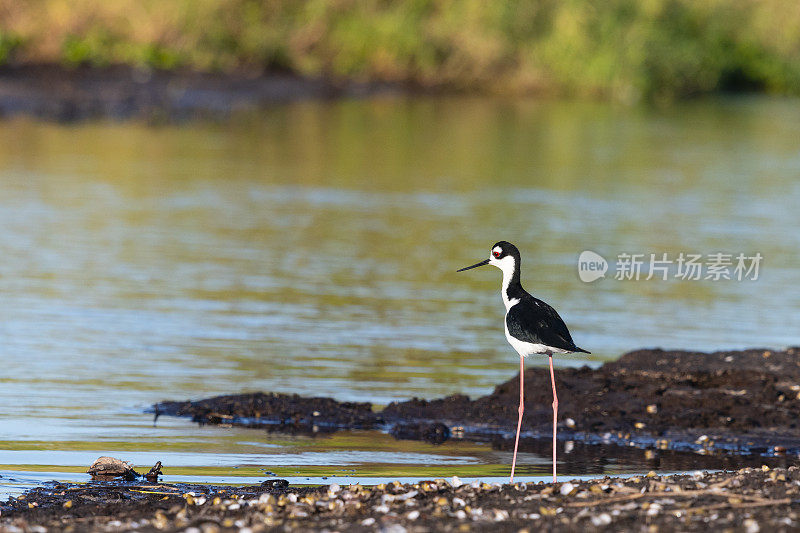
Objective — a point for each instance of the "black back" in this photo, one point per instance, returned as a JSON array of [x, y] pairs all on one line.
[[532, 320]]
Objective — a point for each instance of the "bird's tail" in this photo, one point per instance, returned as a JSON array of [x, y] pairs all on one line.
[[581, 350]]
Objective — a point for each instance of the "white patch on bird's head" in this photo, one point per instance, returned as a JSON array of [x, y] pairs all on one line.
[[507, 264], [502, 261]]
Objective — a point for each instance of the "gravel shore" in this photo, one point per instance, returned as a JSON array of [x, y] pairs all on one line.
[[751, 500], [681, 410]]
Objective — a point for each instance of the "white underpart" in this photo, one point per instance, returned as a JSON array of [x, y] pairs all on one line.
[[508, 265], [528, 348]]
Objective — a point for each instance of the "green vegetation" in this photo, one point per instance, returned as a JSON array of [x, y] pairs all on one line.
[[621, 49]]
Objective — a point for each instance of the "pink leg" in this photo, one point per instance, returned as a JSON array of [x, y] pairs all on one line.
[[555, 415], [521, 409]]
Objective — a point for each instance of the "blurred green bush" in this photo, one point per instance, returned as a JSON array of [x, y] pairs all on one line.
[[622, 49]]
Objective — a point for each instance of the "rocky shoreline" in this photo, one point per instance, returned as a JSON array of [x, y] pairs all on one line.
[[751, 500], [680, 410]]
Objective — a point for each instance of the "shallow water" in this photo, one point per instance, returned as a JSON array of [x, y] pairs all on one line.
[[313, 249]]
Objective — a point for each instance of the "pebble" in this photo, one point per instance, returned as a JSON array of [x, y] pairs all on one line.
[[751, 526], [567, 489], [603, 519], [500, 515]]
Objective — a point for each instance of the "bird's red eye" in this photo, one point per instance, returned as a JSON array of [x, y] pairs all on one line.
[[496, 254]]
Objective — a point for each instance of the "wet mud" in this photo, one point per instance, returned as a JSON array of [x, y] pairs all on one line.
[[761, 499], [62, 94], [740, 402]]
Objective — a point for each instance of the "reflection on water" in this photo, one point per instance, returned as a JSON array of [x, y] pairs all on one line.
[[312, 249]]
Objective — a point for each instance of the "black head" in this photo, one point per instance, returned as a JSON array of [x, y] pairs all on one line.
[[503, 249], [503, 255]]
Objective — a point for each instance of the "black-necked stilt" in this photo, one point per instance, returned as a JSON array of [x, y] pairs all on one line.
[[532, 327]]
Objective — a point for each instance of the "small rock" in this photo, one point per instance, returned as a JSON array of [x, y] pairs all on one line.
[[654, 509], [603, 519], [567, 489], [152, 475], [110, 467], [500, 515], [751, 526]]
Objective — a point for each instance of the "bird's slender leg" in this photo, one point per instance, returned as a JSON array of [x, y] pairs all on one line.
[[521, 410], [555, 414]]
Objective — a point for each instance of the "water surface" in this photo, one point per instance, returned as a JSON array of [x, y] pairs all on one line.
[[313, 249]]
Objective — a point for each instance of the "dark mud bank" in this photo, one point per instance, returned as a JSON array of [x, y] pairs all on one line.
[[760, 499], [741, 401], [56, 93]]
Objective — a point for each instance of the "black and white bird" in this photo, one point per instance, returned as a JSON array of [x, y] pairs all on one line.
[[532, 327]]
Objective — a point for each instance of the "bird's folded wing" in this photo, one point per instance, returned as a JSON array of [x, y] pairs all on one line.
[[536, 322]]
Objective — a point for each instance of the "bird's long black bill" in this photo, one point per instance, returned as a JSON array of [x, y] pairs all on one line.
[[476, 265]]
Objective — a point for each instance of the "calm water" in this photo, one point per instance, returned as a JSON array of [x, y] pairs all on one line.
[[313, 249]]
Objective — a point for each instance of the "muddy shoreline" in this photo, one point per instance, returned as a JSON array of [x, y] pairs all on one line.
[[53, 92], [761, 499], [732, 402], [680, 410]]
